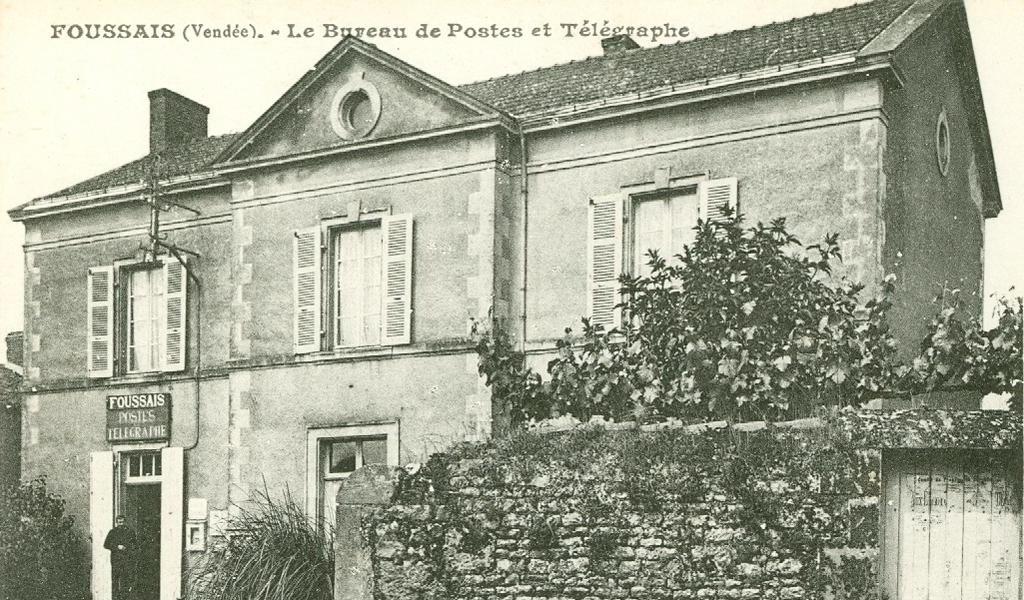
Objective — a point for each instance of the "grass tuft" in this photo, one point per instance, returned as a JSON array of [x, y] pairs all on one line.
[[274, 551]]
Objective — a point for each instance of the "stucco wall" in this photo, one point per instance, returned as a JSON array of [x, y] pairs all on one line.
[[273, 409], [61, 429], [810, 154], [56, 295], [448, 187], [935, 231]]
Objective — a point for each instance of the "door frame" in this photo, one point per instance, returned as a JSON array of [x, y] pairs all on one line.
[[104, 484]]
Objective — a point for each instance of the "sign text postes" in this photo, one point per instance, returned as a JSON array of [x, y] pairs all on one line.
[[138, 417]]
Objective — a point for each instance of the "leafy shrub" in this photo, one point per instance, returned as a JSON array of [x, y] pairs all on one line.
[[957, 352], [274, 551], [41, 555], [748, 324]]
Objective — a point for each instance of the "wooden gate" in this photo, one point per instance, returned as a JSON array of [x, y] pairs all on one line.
[[952, 527]]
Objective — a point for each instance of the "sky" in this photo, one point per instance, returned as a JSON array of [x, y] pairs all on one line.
[[73, 108]]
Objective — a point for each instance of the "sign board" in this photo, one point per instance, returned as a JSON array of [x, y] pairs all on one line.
[[139, 417]]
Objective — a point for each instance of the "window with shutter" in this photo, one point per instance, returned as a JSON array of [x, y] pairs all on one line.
[[152, 318], [306, 267], [604, 259], [396, 281], [715, 195], [369, 282], [100, 322]]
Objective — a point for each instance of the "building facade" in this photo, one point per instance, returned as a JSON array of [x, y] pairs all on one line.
[[308, 304]]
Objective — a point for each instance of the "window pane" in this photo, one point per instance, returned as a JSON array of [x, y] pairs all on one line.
[[342, 457], [649, 220], [684, 219], [665, 225], [134, 465], [145, 313], [147, 465], [375, 452], [357, 286]]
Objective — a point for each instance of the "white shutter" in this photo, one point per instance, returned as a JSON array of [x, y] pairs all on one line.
[[174, 335], [172, 520], [716, 194], [396, 299], [306, 266], [604, 259], [101, 520], [100, 322]]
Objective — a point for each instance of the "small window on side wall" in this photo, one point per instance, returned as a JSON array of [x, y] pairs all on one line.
[[943, 144]]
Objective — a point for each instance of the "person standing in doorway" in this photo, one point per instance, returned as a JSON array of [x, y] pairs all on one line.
[[123, 546]]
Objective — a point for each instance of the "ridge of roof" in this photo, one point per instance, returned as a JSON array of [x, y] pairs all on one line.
[[676, 43], [844, 29], [818, 35]]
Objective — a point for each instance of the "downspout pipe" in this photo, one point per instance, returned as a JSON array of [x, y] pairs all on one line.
[[524, 196], [197, 375]]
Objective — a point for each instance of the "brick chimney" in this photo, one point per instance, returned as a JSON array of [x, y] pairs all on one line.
[[16, 348], [174, 119], [617, 44]]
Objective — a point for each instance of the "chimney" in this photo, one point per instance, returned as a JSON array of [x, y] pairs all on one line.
[[618, 44], [16, 348], [174, 119]]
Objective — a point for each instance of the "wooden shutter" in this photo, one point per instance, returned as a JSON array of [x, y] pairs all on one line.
[[716, 194], [604, 259], [306, 267], [175, 331], [172, 521], [100, 322], [396, 287], [101, 520]]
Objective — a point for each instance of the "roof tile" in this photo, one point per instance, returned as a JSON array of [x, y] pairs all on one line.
[[181, 159], [839, 31]]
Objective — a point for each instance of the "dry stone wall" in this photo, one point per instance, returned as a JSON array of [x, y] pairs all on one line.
[[591, 514]]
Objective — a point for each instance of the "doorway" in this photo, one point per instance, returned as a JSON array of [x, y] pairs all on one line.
[[139, 503], [952, 525]]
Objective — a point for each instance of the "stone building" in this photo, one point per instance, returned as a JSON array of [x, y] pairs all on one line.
[[308, 309], [10, 411]]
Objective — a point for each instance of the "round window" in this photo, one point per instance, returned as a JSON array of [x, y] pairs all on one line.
[[355, 109], [942, 143]]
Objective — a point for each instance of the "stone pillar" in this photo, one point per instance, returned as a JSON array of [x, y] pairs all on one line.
[[365, 489]]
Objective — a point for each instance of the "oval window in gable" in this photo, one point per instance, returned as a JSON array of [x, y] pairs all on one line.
[[355, 109]]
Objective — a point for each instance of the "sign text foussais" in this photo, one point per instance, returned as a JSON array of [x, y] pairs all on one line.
[[137, 417]]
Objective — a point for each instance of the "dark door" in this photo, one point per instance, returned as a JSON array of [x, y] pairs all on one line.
[[145, 504]]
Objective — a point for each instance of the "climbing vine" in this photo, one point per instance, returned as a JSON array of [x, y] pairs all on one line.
[[749, 324]]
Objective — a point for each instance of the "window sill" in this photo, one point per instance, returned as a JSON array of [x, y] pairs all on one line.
[[359, 352], [441, 346], [141, 377]]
